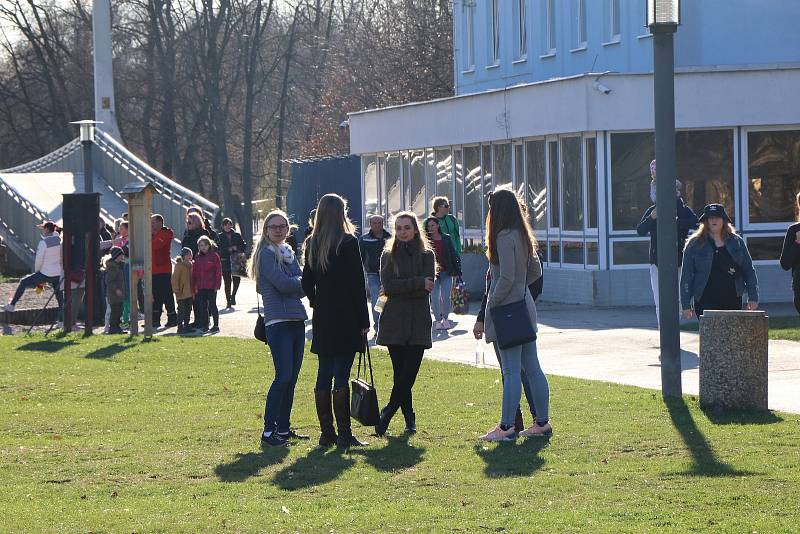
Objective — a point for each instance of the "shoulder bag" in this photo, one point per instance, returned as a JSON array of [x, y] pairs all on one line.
[[260, 330], [364, 398], [512, 324]]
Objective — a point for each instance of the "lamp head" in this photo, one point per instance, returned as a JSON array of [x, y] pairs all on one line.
[[663, 14]]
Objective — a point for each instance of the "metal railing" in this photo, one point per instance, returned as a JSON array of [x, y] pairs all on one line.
[[38, 165]]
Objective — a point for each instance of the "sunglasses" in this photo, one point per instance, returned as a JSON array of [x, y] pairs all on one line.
[[277, 227]]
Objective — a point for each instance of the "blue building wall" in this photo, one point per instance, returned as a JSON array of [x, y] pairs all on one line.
[[713, 33]]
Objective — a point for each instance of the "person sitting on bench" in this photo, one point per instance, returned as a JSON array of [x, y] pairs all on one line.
[[47, 267]]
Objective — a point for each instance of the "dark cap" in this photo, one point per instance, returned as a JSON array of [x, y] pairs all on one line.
[[714, 210], [116, 252], [50, 226], [185, 251]]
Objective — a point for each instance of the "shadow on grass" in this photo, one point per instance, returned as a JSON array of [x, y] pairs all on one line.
[[112, 350], [512, 459], [398, 454], [741, 417], [48, 345], [317, 467], [704, 460], [248, 465]]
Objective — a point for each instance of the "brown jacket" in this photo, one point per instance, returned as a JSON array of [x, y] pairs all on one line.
[[182, 279], [406, 316]]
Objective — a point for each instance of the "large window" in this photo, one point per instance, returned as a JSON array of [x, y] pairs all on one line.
[[494, 26], [416, 201], [469, 34], [591, 183], [614, 23], [458, 168], [520, 30], [537, 183], [502, 165], [394, 200], [444, 174], [488, 177], [473, 192], [773, 166], [553, 201], [550, 23], [519, 169], [369, 170], [571, 186]]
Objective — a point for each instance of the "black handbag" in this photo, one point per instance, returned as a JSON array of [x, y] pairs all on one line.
[[512, 324], [364, 398], [260, 330]]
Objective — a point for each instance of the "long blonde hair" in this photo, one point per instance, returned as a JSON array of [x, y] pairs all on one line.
[[330, 226], [700, 236], [266, 242]]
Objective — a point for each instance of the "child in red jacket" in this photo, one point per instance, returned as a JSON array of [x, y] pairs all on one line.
[[206, 281]]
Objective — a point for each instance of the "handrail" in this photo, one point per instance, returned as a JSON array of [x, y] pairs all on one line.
[[22, 201], [48, 159]]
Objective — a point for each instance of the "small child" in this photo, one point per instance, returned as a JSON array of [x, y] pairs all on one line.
[[182, 287], [115, 288], [206, 281]]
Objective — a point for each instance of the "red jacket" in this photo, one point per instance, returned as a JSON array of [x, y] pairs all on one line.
[[207, 272], [162, 249]]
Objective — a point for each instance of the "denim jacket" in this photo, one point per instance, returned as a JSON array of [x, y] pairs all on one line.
[[697, 259]]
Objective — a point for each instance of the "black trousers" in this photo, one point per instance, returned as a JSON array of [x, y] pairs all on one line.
[[184, 311], [230, 279], [116, 315], [797, 300], [406, 361], [162, 296]]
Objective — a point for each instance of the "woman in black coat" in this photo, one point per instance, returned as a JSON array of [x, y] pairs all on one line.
[[790, 256], [232, 250], [333, 280]]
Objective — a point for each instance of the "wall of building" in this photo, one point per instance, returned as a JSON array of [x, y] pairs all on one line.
[[713, 33]]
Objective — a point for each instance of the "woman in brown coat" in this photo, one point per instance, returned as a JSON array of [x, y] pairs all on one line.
[[408, 267]]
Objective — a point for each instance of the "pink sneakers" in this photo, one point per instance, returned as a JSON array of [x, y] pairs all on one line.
[[498, 434], [537, 431]]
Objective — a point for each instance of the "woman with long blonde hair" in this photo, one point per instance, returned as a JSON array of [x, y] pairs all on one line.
[[408, 268], [717, 267], [333, 279], [790, 255], [278, 277]]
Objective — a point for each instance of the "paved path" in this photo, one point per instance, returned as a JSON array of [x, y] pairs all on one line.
[[611, 344]]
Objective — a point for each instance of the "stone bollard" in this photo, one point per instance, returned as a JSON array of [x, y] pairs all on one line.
[[733, 359]]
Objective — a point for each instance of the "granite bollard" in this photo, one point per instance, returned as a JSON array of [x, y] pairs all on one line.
[[733, 359]]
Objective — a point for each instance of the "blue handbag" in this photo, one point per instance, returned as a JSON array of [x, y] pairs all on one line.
[[512, 324]]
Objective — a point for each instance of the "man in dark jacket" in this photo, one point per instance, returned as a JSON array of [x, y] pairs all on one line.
[[371, 245], [162, 272], [686, 219]]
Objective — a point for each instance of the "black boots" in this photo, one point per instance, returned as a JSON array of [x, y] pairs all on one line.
[[172, 320], [341, 410], [383, 421], [411, 423], [325, 414]]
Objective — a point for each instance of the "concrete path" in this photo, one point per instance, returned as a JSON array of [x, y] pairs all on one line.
[[611, 344]]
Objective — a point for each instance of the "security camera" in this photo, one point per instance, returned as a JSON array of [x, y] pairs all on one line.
[[599, 87], [345, 124]]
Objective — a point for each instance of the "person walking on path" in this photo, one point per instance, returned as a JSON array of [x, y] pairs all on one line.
[[372, 244], [449, 265], [447, 223], [279, 279], [514, 265], [408, 267], [333, 280], [182, 287], [47, 267], [686, 221], [206, 281], [162, 272], [115, 288], [717, 267], [790, 256], [232, 251]]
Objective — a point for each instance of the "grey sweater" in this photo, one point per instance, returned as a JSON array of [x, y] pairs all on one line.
[[515, 271], [279, 285]]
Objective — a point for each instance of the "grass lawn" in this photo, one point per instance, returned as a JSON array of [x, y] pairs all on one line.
[[779, 327], [106, 435]]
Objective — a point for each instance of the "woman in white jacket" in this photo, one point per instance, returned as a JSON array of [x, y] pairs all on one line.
[[47, 267]]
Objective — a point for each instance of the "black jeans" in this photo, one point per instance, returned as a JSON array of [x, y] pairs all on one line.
[[184, 311], [162, 296], [406, 361], [334, 368], [797, 299], [116, 315], [230, 279], [202, 301]]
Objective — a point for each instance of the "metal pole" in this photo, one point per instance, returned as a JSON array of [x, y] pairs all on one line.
[[91, 260], [88, 185], [67, 267], [666, 207]]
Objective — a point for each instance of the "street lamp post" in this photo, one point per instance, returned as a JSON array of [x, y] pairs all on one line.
[[87, 140], [663, 18]]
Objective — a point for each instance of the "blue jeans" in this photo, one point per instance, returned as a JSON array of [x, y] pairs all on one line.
[[335, 368], [374, 284], [440, 297], [286, 343], [515, 360], [526, 384], [33, 280]]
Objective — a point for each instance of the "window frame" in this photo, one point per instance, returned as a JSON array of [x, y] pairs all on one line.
[[580, 30], [469, 33], [550, 35], [589, 230], [521, 31], [625, 267], [614, 18], [755, 235], [495, 43]]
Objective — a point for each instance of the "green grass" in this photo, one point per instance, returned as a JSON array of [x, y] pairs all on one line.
[[787, 328], [106, 435]]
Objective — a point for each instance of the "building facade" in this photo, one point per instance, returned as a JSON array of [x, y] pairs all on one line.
[[554, 98]]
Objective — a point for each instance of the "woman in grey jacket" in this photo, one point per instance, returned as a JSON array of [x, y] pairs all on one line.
[[514, 265], [277, 272], [717, 267]]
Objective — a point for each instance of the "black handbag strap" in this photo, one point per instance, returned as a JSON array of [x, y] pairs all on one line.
[[369, 363]]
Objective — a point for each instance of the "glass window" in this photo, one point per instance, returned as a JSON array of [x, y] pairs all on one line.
[[382, 185], [541, 247], [550, 7], [592, 253], [555, 251], [631, 252], [773, 166], [487, 178], [536, 196], [572, 252], [615, 19], [579, 23], [502, 165], [444, 174], [473, 192], [469, 33], [519, 170], [591, 183], [765, 248], [458, 166], [521, 30], [705, 168], [495, 31], [553, 201], [416, 184], [369, 172], [393, 192], [631, 154], [571, 185]]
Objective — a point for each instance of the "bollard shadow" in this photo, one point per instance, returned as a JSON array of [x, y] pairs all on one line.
[[720, 416], [398, 454], [109, 351], [512, 459], [317, 467], [705, 462], [48, 345], [689, 360], [249, 464]]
